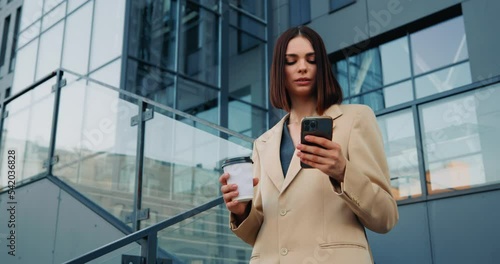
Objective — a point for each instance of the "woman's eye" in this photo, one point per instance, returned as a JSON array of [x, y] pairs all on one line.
[[312, 61], [289, 62]]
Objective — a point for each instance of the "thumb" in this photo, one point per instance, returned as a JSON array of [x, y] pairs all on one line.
[[255, 181]]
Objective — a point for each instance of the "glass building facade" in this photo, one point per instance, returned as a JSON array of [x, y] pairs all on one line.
[[156, 93]]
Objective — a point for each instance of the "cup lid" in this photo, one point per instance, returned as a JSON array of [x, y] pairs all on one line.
[[236, 160]]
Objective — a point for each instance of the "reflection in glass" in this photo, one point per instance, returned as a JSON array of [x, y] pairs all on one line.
[[247, 78], [198, 51], [375, 100], [107, 32], [152, 33], [438, 46], [340, 69], [246, 119], [26, 130], [198, 100], [77, 40], [254, 7], [24, 74], [460, 137], [49, 53], [398, 94], [181, 165], [443, 80], [198, 239], [395, 60], [151, 82], [96, 145], [49, 5], [400, 147], [365, 70]]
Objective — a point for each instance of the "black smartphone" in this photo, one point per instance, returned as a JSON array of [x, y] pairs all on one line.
[[320, 126]]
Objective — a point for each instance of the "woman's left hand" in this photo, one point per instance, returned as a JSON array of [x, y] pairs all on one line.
[[328, 159]]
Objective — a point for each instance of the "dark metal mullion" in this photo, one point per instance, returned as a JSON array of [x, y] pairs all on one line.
[[124, 55], [268, 58], [224, 65], [55, 116], [247, 103], [149, 247], [139, 161]]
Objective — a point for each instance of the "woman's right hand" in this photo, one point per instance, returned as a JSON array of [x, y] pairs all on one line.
[[231, 191]]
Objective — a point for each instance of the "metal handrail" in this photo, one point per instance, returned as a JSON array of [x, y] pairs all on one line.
[[148, 233]]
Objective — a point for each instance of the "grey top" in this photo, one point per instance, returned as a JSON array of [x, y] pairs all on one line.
[[286, 148]]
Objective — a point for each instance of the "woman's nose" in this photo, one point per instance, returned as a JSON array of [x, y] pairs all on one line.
[[302, 66]]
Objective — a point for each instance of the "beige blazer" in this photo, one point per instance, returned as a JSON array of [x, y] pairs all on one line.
[[304, 217]]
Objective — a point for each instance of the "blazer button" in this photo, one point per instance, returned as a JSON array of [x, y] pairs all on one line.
[[283, 212], [284, 251]]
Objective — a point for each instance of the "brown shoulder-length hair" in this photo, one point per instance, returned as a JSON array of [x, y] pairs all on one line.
[[328, 91]]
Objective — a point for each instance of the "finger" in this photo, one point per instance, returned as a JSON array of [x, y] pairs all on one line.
[[315, 159], [255, 181], [325, 143], [228, 188], [228, 197], [223, 178]]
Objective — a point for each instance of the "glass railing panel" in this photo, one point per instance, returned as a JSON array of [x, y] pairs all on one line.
[[181, 165], [26, 130], [115, 257], [205, 238], [97, 145]]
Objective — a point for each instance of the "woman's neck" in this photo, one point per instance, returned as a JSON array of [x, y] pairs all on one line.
[[301, 109]]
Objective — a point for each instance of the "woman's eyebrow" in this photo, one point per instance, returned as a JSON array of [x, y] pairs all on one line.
[[295, 55]]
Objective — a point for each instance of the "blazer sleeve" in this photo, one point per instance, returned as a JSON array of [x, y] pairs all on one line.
[[249, 228], [366, 185]]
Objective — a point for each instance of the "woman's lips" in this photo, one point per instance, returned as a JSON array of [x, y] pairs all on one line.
[[303, 82]]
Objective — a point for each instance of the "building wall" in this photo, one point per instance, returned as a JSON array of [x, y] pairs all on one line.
[[7, 9]]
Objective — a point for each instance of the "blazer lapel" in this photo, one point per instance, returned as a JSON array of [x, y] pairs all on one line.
[[334, 112], [269, 151]]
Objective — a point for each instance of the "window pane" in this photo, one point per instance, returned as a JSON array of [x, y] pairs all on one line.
[[107, 32], [151, 82], [254, 7], [246, 119], [109, 74], [12, 62], [50, 4], [438, 46], [30, 33], [375, 100], [152, 36], [365, 71], [73, 4], [443, 80], [199, 48], [460, 137], [395, 60], [398, 94], [32, 10], [77, 40], [24, 74], [340, 69], [53, 16], [198, 100], [338, 4], [300, 12], [398, 133], [247, 78], [49, 53]]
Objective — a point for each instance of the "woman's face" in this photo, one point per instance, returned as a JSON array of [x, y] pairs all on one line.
[[300, 67]]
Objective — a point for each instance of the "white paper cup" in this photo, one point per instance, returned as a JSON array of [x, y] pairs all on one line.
[[240, 173]]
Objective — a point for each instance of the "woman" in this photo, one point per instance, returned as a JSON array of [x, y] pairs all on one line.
[[313, 215]]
